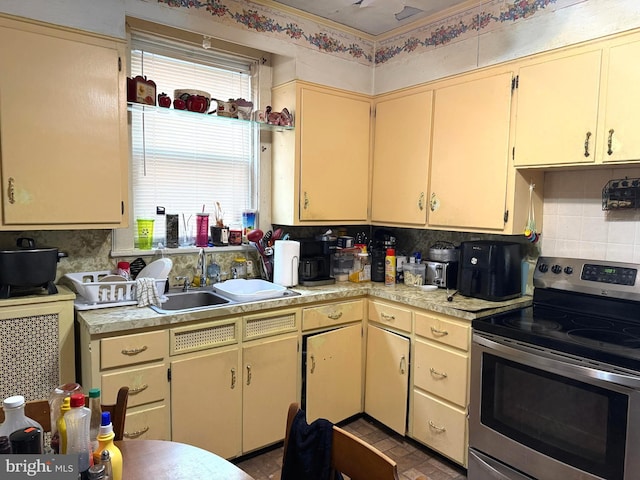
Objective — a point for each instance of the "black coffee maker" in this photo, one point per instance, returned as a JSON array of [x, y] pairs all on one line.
[[382, 239], [315, 260]]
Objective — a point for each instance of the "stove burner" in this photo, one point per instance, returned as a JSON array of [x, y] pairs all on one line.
[[592, 322], [533, 325], [604, 339]]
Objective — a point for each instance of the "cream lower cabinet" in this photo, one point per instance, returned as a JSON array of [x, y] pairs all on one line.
[[402, 142], [136, 360], [321, 169], [440, 379], [63, 128], [36, 342], [333, 360], [387, 378], [243, 390]]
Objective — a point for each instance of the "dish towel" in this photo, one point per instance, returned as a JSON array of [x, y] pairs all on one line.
[[147, 292]]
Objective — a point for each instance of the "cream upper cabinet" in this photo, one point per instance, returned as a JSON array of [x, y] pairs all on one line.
[[557, 110], [621, 115], [402, 138], [320, 172], [63, 128], [470, 154]]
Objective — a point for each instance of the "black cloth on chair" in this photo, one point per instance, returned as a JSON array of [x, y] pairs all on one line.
[[308, 455]]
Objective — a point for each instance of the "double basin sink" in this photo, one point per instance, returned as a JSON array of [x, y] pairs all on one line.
[[223, 294]]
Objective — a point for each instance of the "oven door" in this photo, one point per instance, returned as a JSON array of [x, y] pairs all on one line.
[[548, 415]]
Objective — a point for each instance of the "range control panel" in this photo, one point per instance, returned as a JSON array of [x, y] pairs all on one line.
[[605, 278]]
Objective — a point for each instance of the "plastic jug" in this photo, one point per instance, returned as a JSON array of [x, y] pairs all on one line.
[[15, 418], [77, 421]]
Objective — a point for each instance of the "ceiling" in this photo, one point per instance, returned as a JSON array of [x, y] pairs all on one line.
[[373, 17]]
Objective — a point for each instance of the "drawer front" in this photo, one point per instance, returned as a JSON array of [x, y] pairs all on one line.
[[147, 424], [390, 315], [441, 372], [332, 314], [442, 330], [147, 384], [132, 349], [440, 426]]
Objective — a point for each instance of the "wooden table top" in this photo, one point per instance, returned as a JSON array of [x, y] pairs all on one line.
[[163, 460]]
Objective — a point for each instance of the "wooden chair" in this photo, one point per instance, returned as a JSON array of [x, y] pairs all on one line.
[[350, 455], [39, 411]]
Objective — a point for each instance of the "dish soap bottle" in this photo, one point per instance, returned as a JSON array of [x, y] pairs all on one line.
[[105, 443]]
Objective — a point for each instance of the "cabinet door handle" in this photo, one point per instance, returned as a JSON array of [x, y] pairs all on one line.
[[610, 142], [437, 373], [313, 364], [440, 333], [135, 434], [248, 374], [586, 145], [433, 202], [134, 351], [334, 315], [11, 193], [233, 378], [421, 201], [403, 365], [141, 388], [387, 316], [436, 427], [306, 200]]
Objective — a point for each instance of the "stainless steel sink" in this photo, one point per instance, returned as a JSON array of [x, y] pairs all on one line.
[[179, 302], [195, 300]]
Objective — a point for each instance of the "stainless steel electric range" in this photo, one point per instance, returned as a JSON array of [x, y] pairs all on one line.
[[555, 387]]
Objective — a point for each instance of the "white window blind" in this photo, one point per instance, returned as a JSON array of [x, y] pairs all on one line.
[[183, 161]]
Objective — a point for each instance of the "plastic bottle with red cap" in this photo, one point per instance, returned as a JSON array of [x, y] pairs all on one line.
[[77, 421], [390, 267]]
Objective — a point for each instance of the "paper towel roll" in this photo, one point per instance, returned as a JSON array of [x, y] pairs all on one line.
[[286, 256]]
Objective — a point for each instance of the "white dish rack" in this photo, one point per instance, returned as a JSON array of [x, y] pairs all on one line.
[[93, 291]]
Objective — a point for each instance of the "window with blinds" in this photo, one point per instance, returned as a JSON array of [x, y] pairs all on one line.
[[184, 161]]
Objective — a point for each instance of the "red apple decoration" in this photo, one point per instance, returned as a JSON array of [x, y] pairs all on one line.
[[164, 100], [179, 104]]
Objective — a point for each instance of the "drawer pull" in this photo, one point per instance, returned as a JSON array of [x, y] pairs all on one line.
[[334, 315], [437, 428], [136, 434], [403, 365], [610, 142], [233, 378], [313, 363], [135, 351], [248, 374], [141, 388], [387, 316], [437, 332], [437, 373]]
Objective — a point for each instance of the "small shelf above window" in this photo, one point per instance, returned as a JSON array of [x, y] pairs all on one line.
[[621, 194], [154, 110]]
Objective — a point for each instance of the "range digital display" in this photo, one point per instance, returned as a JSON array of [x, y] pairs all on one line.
[[609, 274]]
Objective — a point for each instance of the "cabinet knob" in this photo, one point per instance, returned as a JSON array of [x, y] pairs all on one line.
[[421, 201], [403, 365], [306, 200], [233, 378], [248, 374], [313, 363]]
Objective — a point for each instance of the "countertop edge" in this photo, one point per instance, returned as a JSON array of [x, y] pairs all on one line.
[[121, 319]]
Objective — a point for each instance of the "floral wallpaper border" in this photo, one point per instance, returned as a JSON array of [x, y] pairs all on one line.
[[483, 18], [261, 19]]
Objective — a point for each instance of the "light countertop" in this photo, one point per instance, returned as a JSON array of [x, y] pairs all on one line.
[[121, 319]]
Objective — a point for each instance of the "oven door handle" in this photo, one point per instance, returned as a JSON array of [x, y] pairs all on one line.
[[540, 358]]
